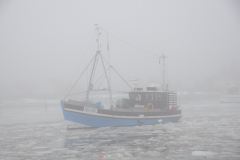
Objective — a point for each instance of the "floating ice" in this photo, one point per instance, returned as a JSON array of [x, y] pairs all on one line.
[[204, 153], [119, 155], [198, 130], [126, 154], [108, 156]]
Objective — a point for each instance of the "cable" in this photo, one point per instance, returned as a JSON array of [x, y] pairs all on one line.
[[76, 93], [95, 68], [130, 43], [80, 76], [80, 63], [117, 73], [99, 78], [137, 53], [97, 88]]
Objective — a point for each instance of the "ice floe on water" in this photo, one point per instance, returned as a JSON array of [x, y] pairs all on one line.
[[208, 130], [204, 153]]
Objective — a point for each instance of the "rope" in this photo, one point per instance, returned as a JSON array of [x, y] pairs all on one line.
[[76, 93], [99, 78], [79, 77], [80, 63], [137, 53], [121, 77], [95, 67], [117, 73], [97, 88], [130, 43]]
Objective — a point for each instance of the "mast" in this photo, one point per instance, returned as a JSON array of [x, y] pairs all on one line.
[[109, 73], [98, 54], [109, 87], [90, 85], [163, 57], [90, 80]]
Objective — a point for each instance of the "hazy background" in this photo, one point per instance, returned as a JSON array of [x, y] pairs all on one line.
[[42, 43]]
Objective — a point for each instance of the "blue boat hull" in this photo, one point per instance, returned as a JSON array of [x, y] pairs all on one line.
[[99, 121]]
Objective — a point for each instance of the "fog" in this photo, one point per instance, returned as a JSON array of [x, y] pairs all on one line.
[[43, 42], [46, 45]]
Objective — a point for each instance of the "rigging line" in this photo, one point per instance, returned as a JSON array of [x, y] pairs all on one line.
[[106, 61], [97, 89], [134, 52], [130, 44], [121, 77], [95, 68], [117, 73], [138, 53], [85, 91], [76, 93], [99, 78], [80, 76], [80, 62]]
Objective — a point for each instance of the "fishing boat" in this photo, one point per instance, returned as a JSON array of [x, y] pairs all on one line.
[[149, 106], [232, 93]]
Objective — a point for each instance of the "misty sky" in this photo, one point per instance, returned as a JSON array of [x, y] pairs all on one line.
[[44, 41]]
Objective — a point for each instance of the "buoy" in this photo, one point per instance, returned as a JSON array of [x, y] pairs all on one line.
[[150, 104], [100, 156]]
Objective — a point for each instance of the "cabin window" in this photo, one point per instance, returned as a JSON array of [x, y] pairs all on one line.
[[131, 96], [150, 96], [159, 97], [138, 97]]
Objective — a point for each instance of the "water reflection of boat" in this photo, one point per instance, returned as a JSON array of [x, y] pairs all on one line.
[[232, 93], [143, 107]]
